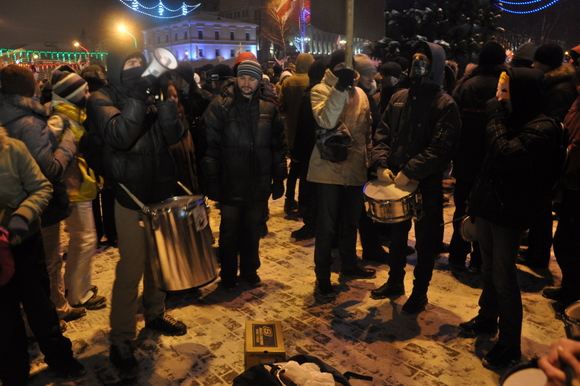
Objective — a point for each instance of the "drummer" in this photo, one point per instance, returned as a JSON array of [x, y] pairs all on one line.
[[412, 146], [136, 154]]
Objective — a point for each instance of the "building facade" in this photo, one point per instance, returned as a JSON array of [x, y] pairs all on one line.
[[203, 36]]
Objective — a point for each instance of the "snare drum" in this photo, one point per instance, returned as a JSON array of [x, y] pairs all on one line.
[[572, 320], [390, 204], [524, 374]]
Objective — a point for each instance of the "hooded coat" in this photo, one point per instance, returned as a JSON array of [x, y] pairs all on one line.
[[136, 139], [409, 140], [522, 159], [26, 120], [560, 91], [291, 94]]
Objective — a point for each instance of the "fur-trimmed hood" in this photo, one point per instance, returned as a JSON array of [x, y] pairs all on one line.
[[564, 73]]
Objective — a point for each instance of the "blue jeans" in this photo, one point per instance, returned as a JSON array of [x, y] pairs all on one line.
[[501, 296]]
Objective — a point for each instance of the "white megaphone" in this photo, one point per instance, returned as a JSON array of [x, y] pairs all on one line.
[[163, 60]]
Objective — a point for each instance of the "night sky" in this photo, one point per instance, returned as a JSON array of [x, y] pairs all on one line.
[[34, 22]]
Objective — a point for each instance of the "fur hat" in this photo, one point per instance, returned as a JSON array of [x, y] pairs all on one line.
[[492, 54], [17, 80], [68, 85], [251, 68], [549, 54]]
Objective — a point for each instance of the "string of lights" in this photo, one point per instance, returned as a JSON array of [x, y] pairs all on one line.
[[160, 10], [515, 6]]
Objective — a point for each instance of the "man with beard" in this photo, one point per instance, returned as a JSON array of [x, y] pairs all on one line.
[[137, 134], [413, 145], [244, 164]]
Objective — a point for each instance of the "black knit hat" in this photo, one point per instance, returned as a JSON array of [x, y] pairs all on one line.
[[336, 57], [492, 54], [524, 55], [549, 54], [221, 72], [68, 85], [17, 80], [391, 69]]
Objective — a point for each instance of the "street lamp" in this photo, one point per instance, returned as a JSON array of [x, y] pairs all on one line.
[[122, 28], [78, 45]]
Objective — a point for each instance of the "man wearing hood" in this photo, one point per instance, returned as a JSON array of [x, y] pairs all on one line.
[[516, 175], [137, 134], [471, 94], [244, 164], [291, 93], [413, 144]]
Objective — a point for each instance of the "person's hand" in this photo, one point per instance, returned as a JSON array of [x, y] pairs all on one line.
[[142, 86], [18, 229], [563, 352], [277, 189], [401, 179], [503, 88], [385, 175], [346, 77]]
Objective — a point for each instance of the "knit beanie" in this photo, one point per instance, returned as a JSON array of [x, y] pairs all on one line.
[[549, 54], [391, 69], [336, 57], [245, 56], [221, 72], [364, 66], [251, 68], [524, 55], [16, 80], [492, 54], [68, 85]]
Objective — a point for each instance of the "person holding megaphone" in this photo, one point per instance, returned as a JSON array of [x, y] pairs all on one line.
[[136, 138]]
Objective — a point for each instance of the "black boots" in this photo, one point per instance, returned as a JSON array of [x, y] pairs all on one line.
[[416, 302], [391, 289]]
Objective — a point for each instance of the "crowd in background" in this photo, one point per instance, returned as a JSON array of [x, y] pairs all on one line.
[[78, 147]]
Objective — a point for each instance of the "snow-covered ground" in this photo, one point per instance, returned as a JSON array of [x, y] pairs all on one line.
[[352, 333]]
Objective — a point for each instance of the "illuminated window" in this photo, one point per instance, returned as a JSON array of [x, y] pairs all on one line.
[[217, 52], [200, 53]]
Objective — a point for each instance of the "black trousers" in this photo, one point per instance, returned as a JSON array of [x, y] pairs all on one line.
[[293, 175], [104, 213], [500, 297], [459, 248], [240, 234], [567, 251], [30, 288], [339, 209], [428, 232], [306, 197], [540, 236]]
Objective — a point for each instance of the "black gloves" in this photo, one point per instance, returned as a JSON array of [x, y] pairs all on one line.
[[346, 78], [18, 229], [139, 89], [277, 189]]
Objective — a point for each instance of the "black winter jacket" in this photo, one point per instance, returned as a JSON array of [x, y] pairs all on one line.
[[137, 140], [517, 172], [245, 147], [471, 95], [25, 119], [560, 91], [410, 140]]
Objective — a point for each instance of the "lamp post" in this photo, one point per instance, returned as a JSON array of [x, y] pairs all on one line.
[[122, 28], [76, 44]]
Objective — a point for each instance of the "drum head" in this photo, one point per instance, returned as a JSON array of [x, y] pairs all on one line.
[[573, 312], [380, 191], [524, 375]]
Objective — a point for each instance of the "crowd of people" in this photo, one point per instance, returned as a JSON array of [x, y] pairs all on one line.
[[87, 149]]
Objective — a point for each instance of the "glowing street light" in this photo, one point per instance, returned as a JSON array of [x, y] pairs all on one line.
[[122, 28]]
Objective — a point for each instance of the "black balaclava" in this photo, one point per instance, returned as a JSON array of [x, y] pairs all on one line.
[[131, 76], [526, 95]]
